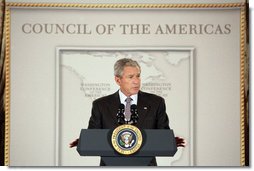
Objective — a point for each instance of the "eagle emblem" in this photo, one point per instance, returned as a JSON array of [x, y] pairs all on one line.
[[126, 139]]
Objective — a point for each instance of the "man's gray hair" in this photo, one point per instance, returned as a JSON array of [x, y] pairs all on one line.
[[121, 63]]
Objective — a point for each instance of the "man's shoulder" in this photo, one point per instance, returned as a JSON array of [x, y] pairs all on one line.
[[150, 95], [107, 98]]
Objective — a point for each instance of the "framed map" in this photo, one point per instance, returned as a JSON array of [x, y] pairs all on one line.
[[165, 71]]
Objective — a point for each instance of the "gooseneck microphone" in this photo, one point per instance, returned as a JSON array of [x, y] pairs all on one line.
[[134, 114], [120, 115]]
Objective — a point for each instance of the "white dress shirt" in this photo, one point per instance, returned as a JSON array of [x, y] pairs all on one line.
[[123, 98]]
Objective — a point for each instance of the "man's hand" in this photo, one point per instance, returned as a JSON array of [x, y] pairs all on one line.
[[180, 142], [74, 143]]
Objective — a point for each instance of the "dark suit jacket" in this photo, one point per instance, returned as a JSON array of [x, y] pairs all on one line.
[[151, 111]]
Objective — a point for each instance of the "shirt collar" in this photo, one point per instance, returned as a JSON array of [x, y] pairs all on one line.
[[123, 98]]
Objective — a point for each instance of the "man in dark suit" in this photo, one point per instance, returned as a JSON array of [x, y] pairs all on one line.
[[151, 111], [151, 108]]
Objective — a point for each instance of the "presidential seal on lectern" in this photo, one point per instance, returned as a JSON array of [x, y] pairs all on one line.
[[126, 139]]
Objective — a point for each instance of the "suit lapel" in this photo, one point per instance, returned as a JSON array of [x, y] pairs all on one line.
[[143, 108], [113, 106]]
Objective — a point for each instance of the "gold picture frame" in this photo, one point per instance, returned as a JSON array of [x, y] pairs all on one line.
[[243, 56]]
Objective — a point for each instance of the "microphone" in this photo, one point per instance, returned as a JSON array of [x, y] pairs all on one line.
[[134, 114], [120, 115]]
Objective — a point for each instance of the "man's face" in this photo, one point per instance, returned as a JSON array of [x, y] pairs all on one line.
[[130, 81]]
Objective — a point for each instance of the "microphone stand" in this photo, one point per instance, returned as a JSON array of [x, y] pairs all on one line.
[[134, 114]]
